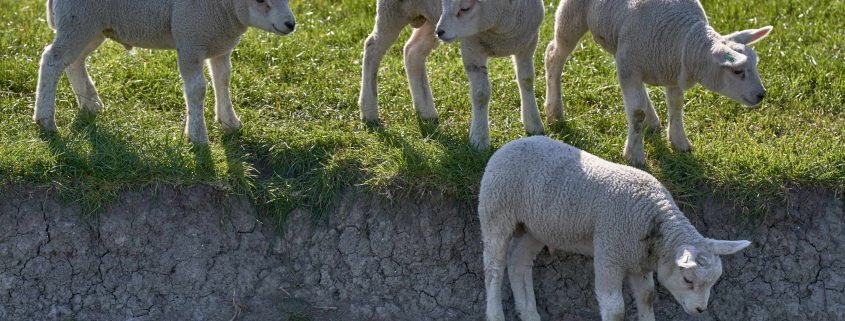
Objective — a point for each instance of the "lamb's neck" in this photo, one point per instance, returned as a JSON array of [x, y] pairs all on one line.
[[508, 15], [675, 230], [232, 17], [697, 45]]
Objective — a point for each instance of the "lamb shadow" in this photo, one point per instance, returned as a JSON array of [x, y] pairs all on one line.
[[684, 167], [282, 177], [461, 161], [107, 162]]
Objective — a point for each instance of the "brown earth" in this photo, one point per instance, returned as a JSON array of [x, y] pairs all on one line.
[[194, 253]]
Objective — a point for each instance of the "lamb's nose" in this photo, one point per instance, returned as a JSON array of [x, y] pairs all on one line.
[[440, 33], [291, 25], [700, 310], [761, 95]]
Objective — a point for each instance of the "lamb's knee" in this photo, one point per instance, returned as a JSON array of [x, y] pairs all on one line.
[[195, 88]]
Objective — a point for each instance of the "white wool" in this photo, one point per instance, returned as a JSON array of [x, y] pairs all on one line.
[[488, 28], [539, 192], [658, 42], [198, 30]]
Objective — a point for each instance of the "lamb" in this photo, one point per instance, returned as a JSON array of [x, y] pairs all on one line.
[[198, 30], [485, 28], [659, 42], [542, 192]]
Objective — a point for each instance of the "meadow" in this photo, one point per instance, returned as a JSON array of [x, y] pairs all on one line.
[[303, 145]]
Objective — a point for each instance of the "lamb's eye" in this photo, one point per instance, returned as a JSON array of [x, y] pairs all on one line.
[[259, 1], [463, 11], [739, 72], [687, 281]]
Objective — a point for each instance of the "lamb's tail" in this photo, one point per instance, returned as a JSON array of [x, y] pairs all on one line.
[[50, 20]]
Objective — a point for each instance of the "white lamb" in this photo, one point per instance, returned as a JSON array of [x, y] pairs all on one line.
[[659, 42], [198, 30], [486, 28], [543, 192]]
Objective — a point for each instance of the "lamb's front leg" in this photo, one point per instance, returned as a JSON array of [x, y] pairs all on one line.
[[524, 65], [676, 133], [643, 287], [475, 65], [221, 70], [636, 104], [609, 290], [190, 68]]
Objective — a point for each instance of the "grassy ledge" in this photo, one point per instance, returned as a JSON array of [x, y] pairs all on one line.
[[303, 144]]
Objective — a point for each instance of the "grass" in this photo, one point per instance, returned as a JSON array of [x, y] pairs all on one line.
[[302, 143]]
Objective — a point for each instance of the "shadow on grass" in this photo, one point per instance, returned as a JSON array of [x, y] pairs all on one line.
[[283, 177], [105, 164], [457, 173]]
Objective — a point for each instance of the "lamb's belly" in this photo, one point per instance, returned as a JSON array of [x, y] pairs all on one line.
[[138, 37], [580, 243], [504, 47], [583, 247]]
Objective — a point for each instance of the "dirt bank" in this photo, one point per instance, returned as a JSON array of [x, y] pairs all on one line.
[[196, 254]]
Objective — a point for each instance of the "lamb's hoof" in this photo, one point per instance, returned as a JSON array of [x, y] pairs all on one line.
[[681, 145], [636, 159], [91, 106], [230, 128], [480, 145], [47, 125], [373, 123]]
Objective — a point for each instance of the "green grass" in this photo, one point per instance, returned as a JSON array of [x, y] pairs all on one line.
[[302, 143]]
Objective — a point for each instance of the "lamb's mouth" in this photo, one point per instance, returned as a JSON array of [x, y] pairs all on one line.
[[280, 31], [750, 103]]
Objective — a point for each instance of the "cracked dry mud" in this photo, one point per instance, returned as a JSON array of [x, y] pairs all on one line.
[[196, 254]]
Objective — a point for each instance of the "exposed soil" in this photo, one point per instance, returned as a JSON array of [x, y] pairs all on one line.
[[196, 254]]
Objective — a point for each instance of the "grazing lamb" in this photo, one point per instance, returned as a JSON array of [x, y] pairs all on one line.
[[543, 192], [659, 42], [198, 30], [486, 28]]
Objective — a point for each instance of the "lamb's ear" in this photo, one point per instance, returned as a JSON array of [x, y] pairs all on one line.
[[685, 256], [728, 247], [750, 36], [727, 57]]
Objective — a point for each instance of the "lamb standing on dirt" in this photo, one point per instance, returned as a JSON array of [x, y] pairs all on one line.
[[659, 42], [198, 30], [543, 192], [486, 28]]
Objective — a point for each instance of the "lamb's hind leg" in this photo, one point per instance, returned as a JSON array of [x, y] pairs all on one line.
[[417, 49], [65, 49], [570, 26], [224, 113], [524, 64], [387, 28], [520, 265], [83, 87]]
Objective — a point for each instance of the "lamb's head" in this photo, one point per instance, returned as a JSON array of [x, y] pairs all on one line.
[[464, 18], [732, 67], [269, 15], [693, 270]]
